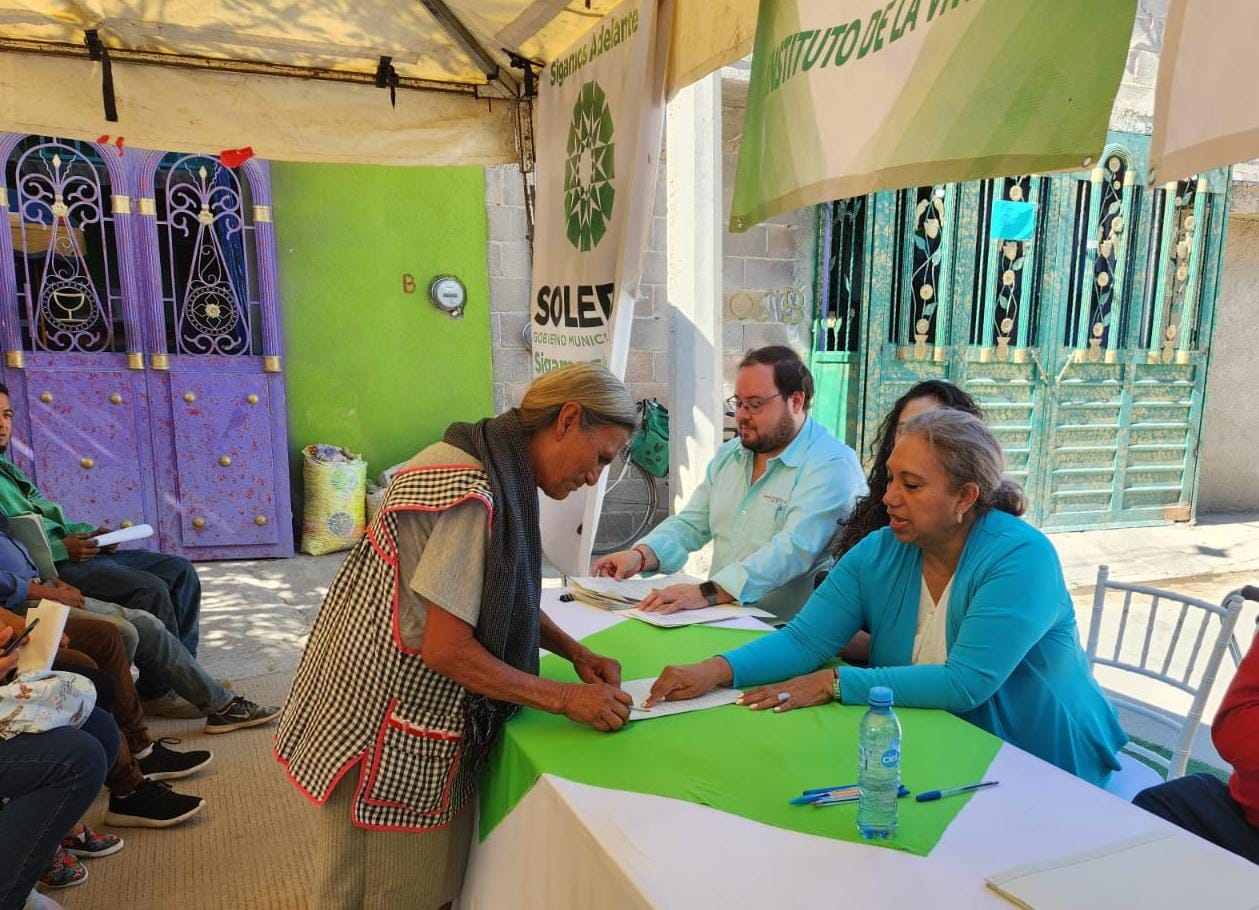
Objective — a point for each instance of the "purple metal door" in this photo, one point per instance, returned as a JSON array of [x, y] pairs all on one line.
[[213, 319], [225, 463], [70, 326], [86, 440]]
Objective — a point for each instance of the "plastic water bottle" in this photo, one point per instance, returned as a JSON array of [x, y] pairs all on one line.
[[879, 768]]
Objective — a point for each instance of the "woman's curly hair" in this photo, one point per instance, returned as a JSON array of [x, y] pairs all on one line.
[[869, 514]]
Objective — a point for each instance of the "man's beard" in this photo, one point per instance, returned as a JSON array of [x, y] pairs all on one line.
[[776, 438]]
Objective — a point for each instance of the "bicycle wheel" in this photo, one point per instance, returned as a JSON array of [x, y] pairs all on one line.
[[629, 502]]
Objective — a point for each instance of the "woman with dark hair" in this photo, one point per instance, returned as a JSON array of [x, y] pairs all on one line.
[[870, 514], [966, 605]]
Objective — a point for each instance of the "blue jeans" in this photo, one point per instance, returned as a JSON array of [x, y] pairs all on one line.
[[161, 658], [166, 586], [50, 779]]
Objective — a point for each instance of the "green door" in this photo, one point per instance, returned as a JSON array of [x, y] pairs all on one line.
[[1076, 308]]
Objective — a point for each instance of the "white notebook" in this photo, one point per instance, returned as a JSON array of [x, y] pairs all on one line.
[[40, 649], [1163, 870], [639, 689]]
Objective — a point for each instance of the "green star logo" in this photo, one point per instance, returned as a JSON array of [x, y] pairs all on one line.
[[589, 169]]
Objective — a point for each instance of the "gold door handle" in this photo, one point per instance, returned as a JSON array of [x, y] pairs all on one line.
[[86, 463], [45, 397], [189, 397], [251, 398], [224, 461], [198, 522], [125, 523], [260, 520], [115, 398]]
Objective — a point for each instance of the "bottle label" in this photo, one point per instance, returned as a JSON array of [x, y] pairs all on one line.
[[891, 758]]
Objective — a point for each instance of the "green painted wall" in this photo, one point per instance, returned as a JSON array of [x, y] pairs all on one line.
[[367, 365]]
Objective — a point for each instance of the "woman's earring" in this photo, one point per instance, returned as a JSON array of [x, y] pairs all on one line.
[[959, 517]]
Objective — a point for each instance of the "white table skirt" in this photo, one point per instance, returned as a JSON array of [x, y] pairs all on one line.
[[570, 846]]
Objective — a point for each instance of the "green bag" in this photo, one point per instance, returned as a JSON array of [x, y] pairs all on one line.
[[649, 448]]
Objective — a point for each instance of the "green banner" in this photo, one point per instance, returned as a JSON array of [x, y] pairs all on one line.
[[745, 762], [853, 97]]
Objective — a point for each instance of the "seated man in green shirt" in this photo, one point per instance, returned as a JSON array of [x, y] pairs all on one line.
[[166, 586]]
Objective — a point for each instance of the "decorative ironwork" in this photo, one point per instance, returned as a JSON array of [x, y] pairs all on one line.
[[205, 238], [926, 271], [1105, 303], [845, 264], [63, 221], [1180, 244], [1011, 278]]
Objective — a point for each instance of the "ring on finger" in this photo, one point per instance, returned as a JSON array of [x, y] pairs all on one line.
[[782, 697]]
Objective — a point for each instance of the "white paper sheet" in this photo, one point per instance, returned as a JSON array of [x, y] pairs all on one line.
[[639, 689], [696, 617], [122, 535]]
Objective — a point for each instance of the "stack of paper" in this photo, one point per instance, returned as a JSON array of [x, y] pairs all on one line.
[[611, 594], [703, 615]]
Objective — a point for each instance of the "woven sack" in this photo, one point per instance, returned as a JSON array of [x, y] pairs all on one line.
[[333, 518]]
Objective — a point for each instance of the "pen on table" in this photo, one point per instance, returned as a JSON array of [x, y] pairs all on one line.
[[929, 795], [845, 793], [821, 801], [817, 791], [810, 796]]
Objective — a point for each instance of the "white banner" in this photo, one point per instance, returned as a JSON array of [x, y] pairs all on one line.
[[1206, 106], [600, 113]]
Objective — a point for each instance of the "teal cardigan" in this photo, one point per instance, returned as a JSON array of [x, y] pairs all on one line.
[[1015, 666]]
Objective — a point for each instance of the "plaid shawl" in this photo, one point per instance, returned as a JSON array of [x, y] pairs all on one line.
[[508, 626]]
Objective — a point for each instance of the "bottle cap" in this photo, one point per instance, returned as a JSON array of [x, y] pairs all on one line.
[[880, 697]]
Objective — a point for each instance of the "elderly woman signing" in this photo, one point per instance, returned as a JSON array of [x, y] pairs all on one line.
[[966, 606], [428, 640]]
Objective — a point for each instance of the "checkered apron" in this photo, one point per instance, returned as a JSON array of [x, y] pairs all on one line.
[[362, 696]]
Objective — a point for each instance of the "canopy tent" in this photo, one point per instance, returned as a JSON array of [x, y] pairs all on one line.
[[309, 81]]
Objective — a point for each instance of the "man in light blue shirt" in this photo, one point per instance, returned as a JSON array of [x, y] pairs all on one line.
[[770, 500]]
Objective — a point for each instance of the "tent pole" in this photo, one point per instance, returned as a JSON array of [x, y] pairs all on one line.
[[468, 43]]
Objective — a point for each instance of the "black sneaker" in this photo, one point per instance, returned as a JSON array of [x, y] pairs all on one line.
[[152, 805], [239, 714], [166, 764]]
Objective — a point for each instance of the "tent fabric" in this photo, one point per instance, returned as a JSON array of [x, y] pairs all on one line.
[[1206, 105], [466, 120]]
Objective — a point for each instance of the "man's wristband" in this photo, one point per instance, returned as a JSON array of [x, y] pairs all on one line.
[[838, 697]]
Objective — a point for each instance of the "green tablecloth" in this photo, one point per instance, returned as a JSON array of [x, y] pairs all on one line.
[[744, 762]]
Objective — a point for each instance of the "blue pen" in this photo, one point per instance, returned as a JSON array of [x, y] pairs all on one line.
[[930, 795], [850, 798], [820, 790], [814, 795]]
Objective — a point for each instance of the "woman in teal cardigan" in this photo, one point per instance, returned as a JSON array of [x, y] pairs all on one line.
[[966, 606]]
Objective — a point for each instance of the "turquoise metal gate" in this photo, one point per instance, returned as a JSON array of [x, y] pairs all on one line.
[[1077, 309]]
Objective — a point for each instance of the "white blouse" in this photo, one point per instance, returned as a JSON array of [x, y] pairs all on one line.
[[929, 642]]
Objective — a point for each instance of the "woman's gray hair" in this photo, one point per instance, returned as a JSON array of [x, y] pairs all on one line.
[[603, 398], [969, 453]]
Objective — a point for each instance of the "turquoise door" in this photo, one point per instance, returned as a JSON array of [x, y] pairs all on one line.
[[1076, 308]]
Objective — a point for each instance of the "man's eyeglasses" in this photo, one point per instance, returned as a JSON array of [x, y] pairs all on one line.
[[751, 405]]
